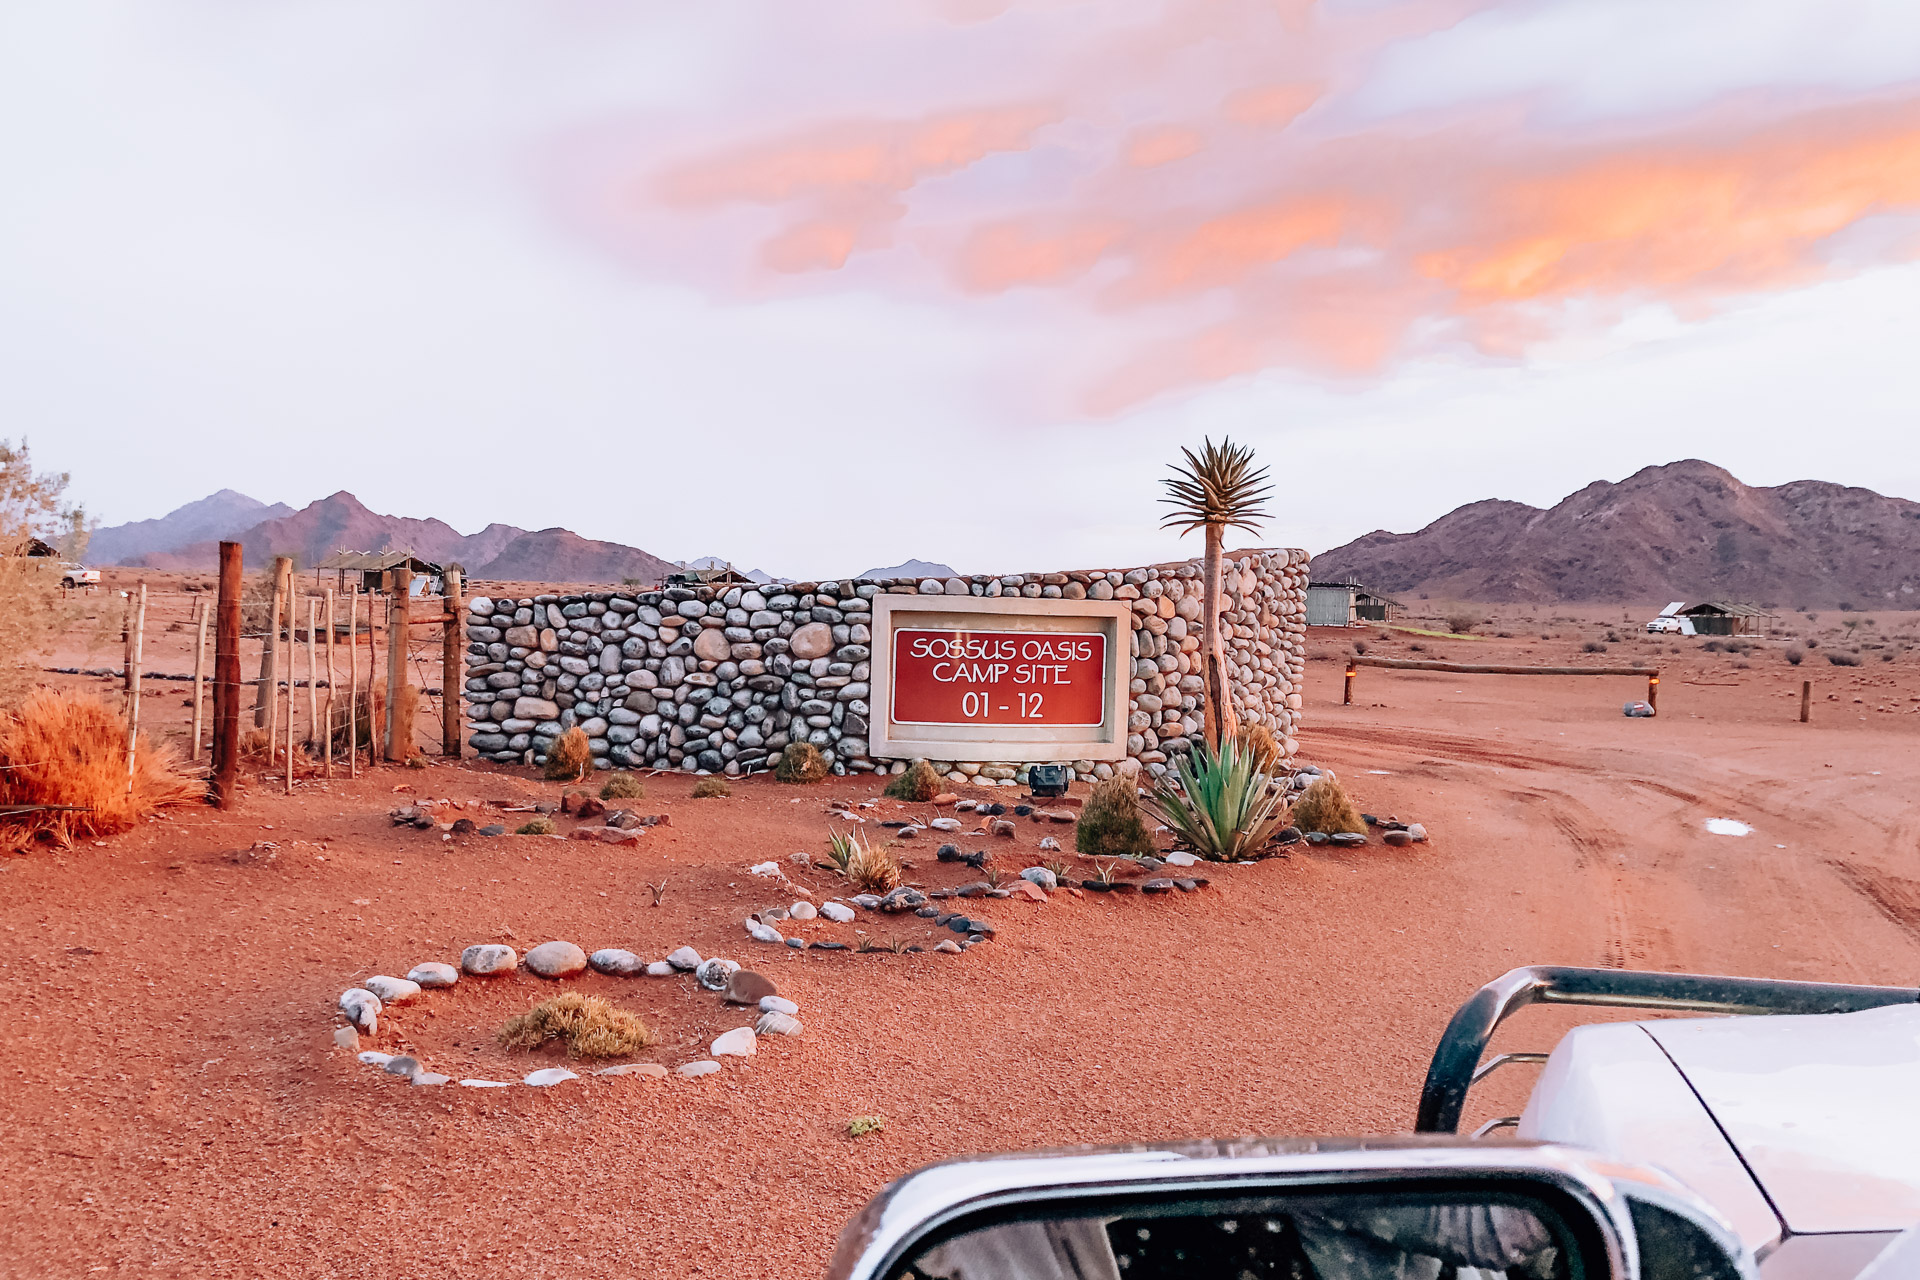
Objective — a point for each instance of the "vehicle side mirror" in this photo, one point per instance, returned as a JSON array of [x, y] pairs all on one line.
[[1301, 1211]]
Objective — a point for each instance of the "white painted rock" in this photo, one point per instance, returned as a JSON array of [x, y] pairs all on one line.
[[838, 912], [803, 911], [488, 958], [374, 1059], [433, 974], [362, 1008], [775, 1024], [556, 960], [652, 1069], [402, 1066], [392, 990], [778, 1004], [1181, 858], [1049, 845], [694, 1069], [686, 959], [430, 1077], [737, 1043], [764, 933], [765, 869], [945, 824], [486, 1084], [546, 1076], [612, 960], [661, 969], [346, 1038]]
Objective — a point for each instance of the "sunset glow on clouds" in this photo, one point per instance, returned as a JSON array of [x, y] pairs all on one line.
[[984, 263], [1258, 207]]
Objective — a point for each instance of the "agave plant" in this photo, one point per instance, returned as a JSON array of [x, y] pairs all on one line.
[[841, 847], [1223, 808], [1216, 489]]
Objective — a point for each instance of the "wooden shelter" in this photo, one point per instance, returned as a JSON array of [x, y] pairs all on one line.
[[1346, 604], [1728, 618], [372, 566]]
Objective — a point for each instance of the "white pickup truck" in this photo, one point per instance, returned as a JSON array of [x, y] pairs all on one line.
[[1783, 1147], [75, 576]]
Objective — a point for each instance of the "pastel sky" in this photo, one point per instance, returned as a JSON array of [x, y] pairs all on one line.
[[822, 286]]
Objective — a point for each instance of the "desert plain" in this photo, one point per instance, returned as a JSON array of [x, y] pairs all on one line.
[[176, 1104]]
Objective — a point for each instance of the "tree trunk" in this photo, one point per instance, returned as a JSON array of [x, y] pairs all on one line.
[[1216, 701]]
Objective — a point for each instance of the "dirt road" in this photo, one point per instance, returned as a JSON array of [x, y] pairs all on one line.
[[175, 1105]]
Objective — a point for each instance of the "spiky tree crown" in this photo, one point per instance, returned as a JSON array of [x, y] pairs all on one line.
[[1219, 486]]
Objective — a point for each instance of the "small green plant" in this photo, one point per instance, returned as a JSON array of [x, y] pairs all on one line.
[[861, 1126], [711, 787], [1103, 871], [841, 846], [623, 786], [1110, 824], [918, 784], [540, 825], [801, 762], [1059, 869], [995, 877], [591, 1026], [658, 891], [1324, 806], [569, 758], [1218, 805]]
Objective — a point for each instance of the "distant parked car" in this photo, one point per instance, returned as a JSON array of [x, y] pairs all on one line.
[[1664, 625], [74, 576]]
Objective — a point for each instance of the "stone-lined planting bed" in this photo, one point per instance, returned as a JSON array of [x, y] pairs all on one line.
[[719, 679]]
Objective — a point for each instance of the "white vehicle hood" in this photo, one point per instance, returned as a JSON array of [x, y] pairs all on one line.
[[1807, 1123]]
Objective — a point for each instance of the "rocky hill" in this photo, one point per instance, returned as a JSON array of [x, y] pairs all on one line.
[[1685, 530], [189, 538]]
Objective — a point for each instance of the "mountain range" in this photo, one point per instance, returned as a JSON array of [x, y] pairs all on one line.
[[188, 538], [1686, 530]]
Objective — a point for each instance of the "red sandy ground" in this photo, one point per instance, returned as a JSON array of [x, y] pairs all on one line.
[[175, 1106]]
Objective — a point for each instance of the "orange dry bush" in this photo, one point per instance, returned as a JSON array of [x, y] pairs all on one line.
[[70, 749]]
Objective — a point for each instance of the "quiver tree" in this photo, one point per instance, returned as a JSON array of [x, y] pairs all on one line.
[[1216, 489]]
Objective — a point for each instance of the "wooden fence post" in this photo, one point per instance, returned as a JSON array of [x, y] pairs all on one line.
[[135, 654], [332, 678], [200, 611], [353, 683], [1346, 699], [293, 613], [399, 708], [226, 681], [1653, 692], [1806, 699], [268, 700], [453, 678]]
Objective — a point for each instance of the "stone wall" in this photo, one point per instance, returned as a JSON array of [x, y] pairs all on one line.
[[719, 679]]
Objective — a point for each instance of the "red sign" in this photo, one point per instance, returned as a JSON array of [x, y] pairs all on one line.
[[999, 677]]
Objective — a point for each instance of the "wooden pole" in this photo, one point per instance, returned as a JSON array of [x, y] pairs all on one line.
[[1653, 692], [126, 652], [201, 609], [353, 683], [333, 678], [375, 723], [134, 656], [1493, 669], [269, 696], [1806, 699], [313, 673], [399, 708], [453, 679], [293, 606], [1347, 699], [226, 681]]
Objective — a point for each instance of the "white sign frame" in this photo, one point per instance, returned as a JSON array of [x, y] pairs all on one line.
[[889, 739]]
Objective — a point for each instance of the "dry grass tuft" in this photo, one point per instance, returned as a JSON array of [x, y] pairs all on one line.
[[623, 786], [801, 762], [1324, 806], [569, 758], [872, 870], [1110, 825], [1262, 746], [591, 1027], [71, 749], [711, 787], [918, 784]]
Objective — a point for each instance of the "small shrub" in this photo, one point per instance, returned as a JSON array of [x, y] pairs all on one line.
[[539, 825], [1812, 642], [861, 1126], [1593, 646], [1324, 806], [71, 749], [623, 786], [1839, 659], [711, 787], [1712, 646], [1110, 825], [918, 784], [841, 846], [1613, 637], [569, 758], [1259, 740], [1420, 648], [591, 1027], [1461, 621], [801, 762], [872, 870], [1796, 655], [1360, 647], [1058, 868]]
